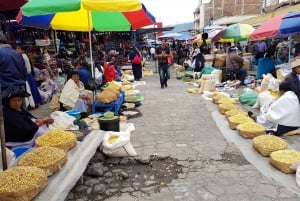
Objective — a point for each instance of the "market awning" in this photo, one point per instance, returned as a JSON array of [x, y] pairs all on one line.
[[259, 19], [227, 20]]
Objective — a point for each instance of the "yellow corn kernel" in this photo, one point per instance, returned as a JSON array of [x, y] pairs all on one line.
[[285, 156]]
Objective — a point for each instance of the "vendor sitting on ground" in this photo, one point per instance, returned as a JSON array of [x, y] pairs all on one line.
[[283, 115], [187, 63], [234, 64], [74, 96], [21, 127]]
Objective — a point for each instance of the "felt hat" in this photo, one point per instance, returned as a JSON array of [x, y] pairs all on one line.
[[14, 91], [295, 62]]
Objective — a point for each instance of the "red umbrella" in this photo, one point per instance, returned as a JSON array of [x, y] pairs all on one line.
[[279, 26], [269, 28]]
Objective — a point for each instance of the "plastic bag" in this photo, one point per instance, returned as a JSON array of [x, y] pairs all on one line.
[[248, 98], [10, 157], [117, 144]]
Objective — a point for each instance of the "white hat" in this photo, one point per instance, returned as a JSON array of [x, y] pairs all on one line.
[[295, 62]]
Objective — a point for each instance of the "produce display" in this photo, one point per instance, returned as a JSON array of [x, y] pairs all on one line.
[[266, 144], [225, 100], [250, 130], [22, 183], [235, 111], [58, 138], [224, 107], [237, 119], [50, 159], [283, 159]]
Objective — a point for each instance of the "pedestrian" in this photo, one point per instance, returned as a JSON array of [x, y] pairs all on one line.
[[152, 53], [33, 88], [161, 54], [136, 62], [12, 66]]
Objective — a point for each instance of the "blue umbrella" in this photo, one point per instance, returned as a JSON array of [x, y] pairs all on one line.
[[290, 23]]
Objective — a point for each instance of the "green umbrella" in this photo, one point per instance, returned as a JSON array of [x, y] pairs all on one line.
[[238, 32]]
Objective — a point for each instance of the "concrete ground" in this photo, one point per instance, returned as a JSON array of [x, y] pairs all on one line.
[[219, 165]]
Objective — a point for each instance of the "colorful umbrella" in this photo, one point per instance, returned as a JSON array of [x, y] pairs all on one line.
[[98, 20], [238, 32], [279, 26], [40, 7]]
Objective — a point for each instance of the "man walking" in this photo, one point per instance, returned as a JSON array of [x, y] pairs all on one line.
[[161, 54]]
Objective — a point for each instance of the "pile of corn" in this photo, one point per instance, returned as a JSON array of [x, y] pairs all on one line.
[[193, 90], [240, 118], [250, 130], [113, 139], [217, 96], [251, 127], [283, 159], [22, 183], [51, 159], [235, 111], [147, 72], [266, 144], [225, 100], [57, 138], [286, 156], [224, 107]]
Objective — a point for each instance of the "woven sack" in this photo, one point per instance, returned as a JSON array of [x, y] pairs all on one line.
[[266, 144], [283, 159]]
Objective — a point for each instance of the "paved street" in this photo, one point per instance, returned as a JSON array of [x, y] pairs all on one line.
[[219, 165]]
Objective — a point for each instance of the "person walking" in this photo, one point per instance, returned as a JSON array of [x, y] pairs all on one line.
[[12, 67], [161, 54]]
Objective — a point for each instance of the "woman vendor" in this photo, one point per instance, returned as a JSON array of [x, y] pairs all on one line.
[[74, 96], [284, 114], [21, 127]]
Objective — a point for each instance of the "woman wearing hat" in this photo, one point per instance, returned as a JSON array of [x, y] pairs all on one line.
[[21, 127], [74, 96]]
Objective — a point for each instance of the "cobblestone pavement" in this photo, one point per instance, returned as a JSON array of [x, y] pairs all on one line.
[[219, 165]]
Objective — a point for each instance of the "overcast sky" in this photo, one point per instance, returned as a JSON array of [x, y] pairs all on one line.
[[172, 12]]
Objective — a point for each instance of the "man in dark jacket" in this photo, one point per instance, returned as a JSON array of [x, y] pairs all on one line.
[[12, 66]]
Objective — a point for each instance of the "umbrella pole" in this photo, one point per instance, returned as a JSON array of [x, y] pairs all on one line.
[[2, 137], [91, 53]]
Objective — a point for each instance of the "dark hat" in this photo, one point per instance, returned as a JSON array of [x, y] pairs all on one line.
[[3, 38], [14, 91]]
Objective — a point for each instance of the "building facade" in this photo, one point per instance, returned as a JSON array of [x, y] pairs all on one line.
[[209, 12]]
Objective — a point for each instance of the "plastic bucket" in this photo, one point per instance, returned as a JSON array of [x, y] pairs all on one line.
[[109, 125]]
